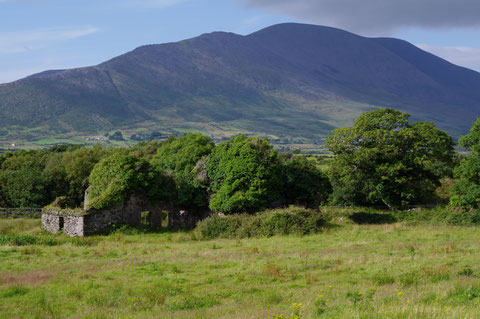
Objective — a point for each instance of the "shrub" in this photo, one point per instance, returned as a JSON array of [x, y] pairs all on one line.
[[294, 220], [439, 215], [433, 216]]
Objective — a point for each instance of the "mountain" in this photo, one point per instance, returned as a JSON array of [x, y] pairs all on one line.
[[288, 81]]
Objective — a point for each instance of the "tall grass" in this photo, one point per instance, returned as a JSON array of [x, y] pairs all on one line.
[[20, 225]]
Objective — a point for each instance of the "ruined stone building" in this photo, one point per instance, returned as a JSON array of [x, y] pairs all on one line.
[[89, 221]]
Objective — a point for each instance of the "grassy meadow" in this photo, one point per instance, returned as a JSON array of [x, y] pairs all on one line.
[[348, 271]]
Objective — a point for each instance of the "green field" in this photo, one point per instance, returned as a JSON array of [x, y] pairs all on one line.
[[348, 271]]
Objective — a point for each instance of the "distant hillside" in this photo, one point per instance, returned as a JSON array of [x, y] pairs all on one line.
[[286, 81]]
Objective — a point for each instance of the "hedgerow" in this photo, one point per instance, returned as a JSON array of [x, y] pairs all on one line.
[[294, 220]]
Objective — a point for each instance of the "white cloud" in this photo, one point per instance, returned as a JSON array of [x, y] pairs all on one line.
[[249, 25], [375, 17], [23, 41], [464, 56]]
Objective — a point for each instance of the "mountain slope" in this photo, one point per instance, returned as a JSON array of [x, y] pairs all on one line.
[[288, 80]]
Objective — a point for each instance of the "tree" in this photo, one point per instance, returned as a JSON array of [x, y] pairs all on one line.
[[384, 160], [78, 165], [466, 192], [245, 175], [23, 181], [118, 176], [179, 157], [117, 136], [303, 183]]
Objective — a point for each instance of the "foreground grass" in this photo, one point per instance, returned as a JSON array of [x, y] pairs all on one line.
[[349, 271]]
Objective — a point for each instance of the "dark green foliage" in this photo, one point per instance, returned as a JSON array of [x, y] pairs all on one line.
[[417, 216], [294, 220], [244, 175], [117, 136], [35, 178], [383, 160], [439, 216], [466, 272], [179, 157], [466, 192], [78, 165], [23, 180], [303, 183], [13, 291], [117, 176], [372, 218]]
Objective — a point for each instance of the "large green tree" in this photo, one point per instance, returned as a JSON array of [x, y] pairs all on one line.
[[385, 160], [179, 158], [466, 192], [78, 165], [23, 180], [303, 183], [244, 174], [118, 176]]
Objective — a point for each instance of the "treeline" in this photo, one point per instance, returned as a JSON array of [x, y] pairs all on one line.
[[383, 160]]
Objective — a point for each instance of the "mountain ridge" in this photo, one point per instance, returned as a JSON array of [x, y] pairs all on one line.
[[285, 81]]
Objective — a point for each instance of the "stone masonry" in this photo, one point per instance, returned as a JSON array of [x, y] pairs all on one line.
[[90, 221]]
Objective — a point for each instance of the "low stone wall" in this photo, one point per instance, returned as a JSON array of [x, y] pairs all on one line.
[[97, 222]]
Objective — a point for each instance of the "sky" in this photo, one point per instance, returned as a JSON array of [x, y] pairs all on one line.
[[38, 35]]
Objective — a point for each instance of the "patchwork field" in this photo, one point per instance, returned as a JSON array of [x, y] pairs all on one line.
[[348, 271]]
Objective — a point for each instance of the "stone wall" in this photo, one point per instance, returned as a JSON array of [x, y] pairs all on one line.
[[51, 223], [183, 219], [74, 225], [70, 221], [93, 222]]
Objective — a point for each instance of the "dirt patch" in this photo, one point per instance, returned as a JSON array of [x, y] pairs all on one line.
[[29, 278]]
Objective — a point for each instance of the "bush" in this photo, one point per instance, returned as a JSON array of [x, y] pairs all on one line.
[[294, 220], [439, 215], [431, 216]]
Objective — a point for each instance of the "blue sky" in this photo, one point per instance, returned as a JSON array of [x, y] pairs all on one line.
[[37, 35]]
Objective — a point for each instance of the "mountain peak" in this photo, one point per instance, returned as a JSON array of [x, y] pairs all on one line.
[[286, 81]]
